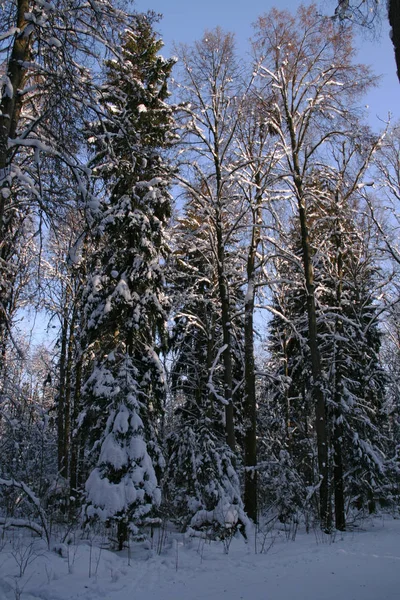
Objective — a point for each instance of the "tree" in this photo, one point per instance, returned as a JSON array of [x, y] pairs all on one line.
[[256, 157], [209, 89], [307, 62], [27, 432], [394, 21], [200, 475], [125, 303], [366, 13], [62, 279], [202, 487], [46, 93], [346, 281]]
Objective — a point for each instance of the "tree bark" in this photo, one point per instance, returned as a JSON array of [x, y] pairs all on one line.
[[316, 370], [250, 411], [227, 342], [223, 288], [68, 393], [10, 110], [250, 403], [340, 518], [10, 106], [61, 398], [75, 438], [122, 533], [394, 20]]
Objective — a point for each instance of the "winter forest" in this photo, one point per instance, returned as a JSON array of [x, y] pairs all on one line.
[[210, 243]]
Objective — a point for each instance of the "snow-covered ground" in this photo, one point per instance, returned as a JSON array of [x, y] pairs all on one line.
[[360, 565]]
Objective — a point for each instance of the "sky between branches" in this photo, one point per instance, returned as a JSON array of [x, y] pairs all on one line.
[[185, 22]]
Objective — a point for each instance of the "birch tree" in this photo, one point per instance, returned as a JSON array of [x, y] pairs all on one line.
[[210, 88], [307, 61]]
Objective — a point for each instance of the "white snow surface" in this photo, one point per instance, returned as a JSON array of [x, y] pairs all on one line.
[[360, 565]]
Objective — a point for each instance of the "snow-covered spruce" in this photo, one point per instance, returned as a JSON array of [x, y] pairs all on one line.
[[125, 301], [349, 340], [202, 486], [123, 486], [201, 481]]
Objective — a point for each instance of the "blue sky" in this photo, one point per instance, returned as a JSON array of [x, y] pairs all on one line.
[[184, 21]]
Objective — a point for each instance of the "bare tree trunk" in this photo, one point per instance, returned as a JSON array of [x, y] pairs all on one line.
[[122, 533], [394, 20], [250, 412], [227, 342], [250, 404], [317, 391], [75, 438], [68, 392], [10, 109], [316, 369], [11, 104], [210, 356], [223, 288], [61, 398], [340, 518]]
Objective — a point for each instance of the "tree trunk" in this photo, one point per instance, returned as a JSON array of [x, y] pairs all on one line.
[[223, 288], [75, 438], [10, 109], [394, 20], [122, 533], [11, 104], [250, 403], [316, 370], [68, 392], [210, 359], [250, 414], [227, 342], [340, 518], [61, 398]]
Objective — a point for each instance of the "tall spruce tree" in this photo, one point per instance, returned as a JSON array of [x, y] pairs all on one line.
[[349, 342], [201, 481], [125, 301]]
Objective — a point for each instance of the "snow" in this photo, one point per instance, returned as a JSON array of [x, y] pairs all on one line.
[[358, 565], [8, 90], [52, 41], [226, 514], [12, 31], [113, 453], [109, 498]]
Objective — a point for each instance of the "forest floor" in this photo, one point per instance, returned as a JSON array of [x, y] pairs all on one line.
[[363, 564]]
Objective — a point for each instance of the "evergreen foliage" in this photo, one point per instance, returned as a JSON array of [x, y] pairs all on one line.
[[201, 473], [349, 340], [126, 305]]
